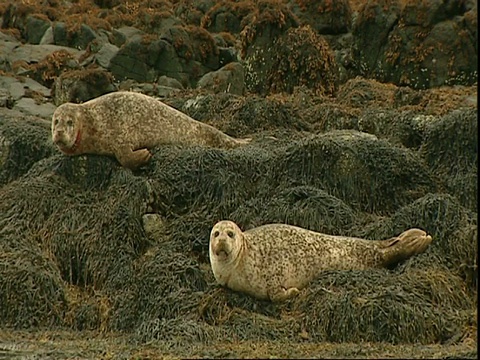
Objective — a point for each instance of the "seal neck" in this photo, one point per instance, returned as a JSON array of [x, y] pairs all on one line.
[[71, 150]]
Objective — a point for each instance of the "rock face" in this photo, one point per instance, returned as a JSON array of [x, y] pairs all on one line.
[[421, 45]]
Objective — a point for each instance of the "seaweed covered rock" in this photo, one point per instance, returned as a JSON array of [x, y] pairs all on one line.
[[227, 16], [241, 116], [325, 17], [266, 24], [421, 45], [452, 227], [451, 150], [79, 86], [32, 291], [303, 58], [294, 56], [23, 142], [368, 173]]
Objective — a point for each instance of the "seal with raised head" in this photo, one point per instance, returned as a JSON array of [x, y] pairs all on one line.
[[275, 261], [126, 124]]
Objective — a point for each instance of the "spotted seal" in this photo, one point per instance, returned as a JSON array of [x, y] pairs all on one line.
[[126, 124], [275, 261]]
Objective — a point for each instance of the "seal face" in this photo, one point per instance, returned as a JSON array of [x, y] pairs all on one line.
[[66, 129], [126, 124], [275, 261]]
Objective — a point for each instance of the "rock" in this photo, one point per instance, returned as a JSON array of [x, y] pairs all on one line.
[[119, 36], [105, 55], [78, 37], [169, 82], [35, 53], [227, 16], [29, 106], [325, 16], [230, 79], [136, 59], [7, 44], [35, 27], [6, 99], [47, 37], [24, 140], [81, 85], [265, 25], [148, 88], [227, 55], [422, 45], [194, 45], [297, 57], [185, 54], [16, 88]]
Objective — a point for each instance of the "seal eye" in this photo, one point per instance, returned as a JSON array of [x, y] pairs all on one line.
[[56, 122], [216, 233], [230, 234]]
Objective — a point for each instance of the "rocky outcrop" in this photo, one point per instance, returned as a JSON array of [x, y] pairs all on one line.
[[421, 45]]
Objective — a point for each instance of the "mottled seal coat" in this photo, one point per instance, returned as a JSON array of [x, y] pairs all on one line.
[[126, 124], [275, 261]]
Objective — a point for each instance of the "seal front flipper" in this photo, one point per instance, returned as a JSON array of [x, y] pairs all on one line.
[[279, 293], [133, 159], [407, 244]]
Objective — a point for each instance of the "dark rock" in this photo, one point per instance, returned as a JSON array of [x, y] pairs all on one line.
[[227, 16], [135, 59], [183, 53], [23, 141], [230, 78], [193, 43], [78, 37], [119, 36], [143, 58], [81, 85], [191, 12], [169, 82], [374, 22], [227, 55], [423, 45], [265, 25], [297, 57], [35, 28], [325, 16], [107, 4]]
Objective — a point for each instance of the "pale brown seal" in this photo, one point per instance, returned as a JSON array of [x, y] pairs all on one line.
[[126, 124], [275, 261]]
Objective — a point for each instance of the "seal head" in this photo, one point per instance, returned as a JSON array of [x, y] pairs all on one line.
[[226, 246], [67, 128]]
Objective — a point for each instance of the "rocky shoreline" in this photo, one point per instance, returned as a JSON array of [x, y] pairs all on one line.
[[363, 119]]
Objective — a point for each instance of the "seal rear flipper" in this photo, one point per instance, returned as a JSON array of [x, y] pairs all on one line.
[[133, 159], [407, 244]]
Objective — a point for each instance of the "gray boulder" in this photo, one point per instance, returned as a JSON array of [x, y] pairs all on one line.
[[228, 79]]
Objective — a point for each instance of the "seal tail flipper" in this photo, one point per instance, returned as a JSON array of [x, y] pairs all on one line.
[[409, 243]]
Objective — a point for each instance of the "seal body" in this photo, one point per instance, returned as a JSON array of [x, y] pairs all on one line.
[[275, 261], [126, 124]]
